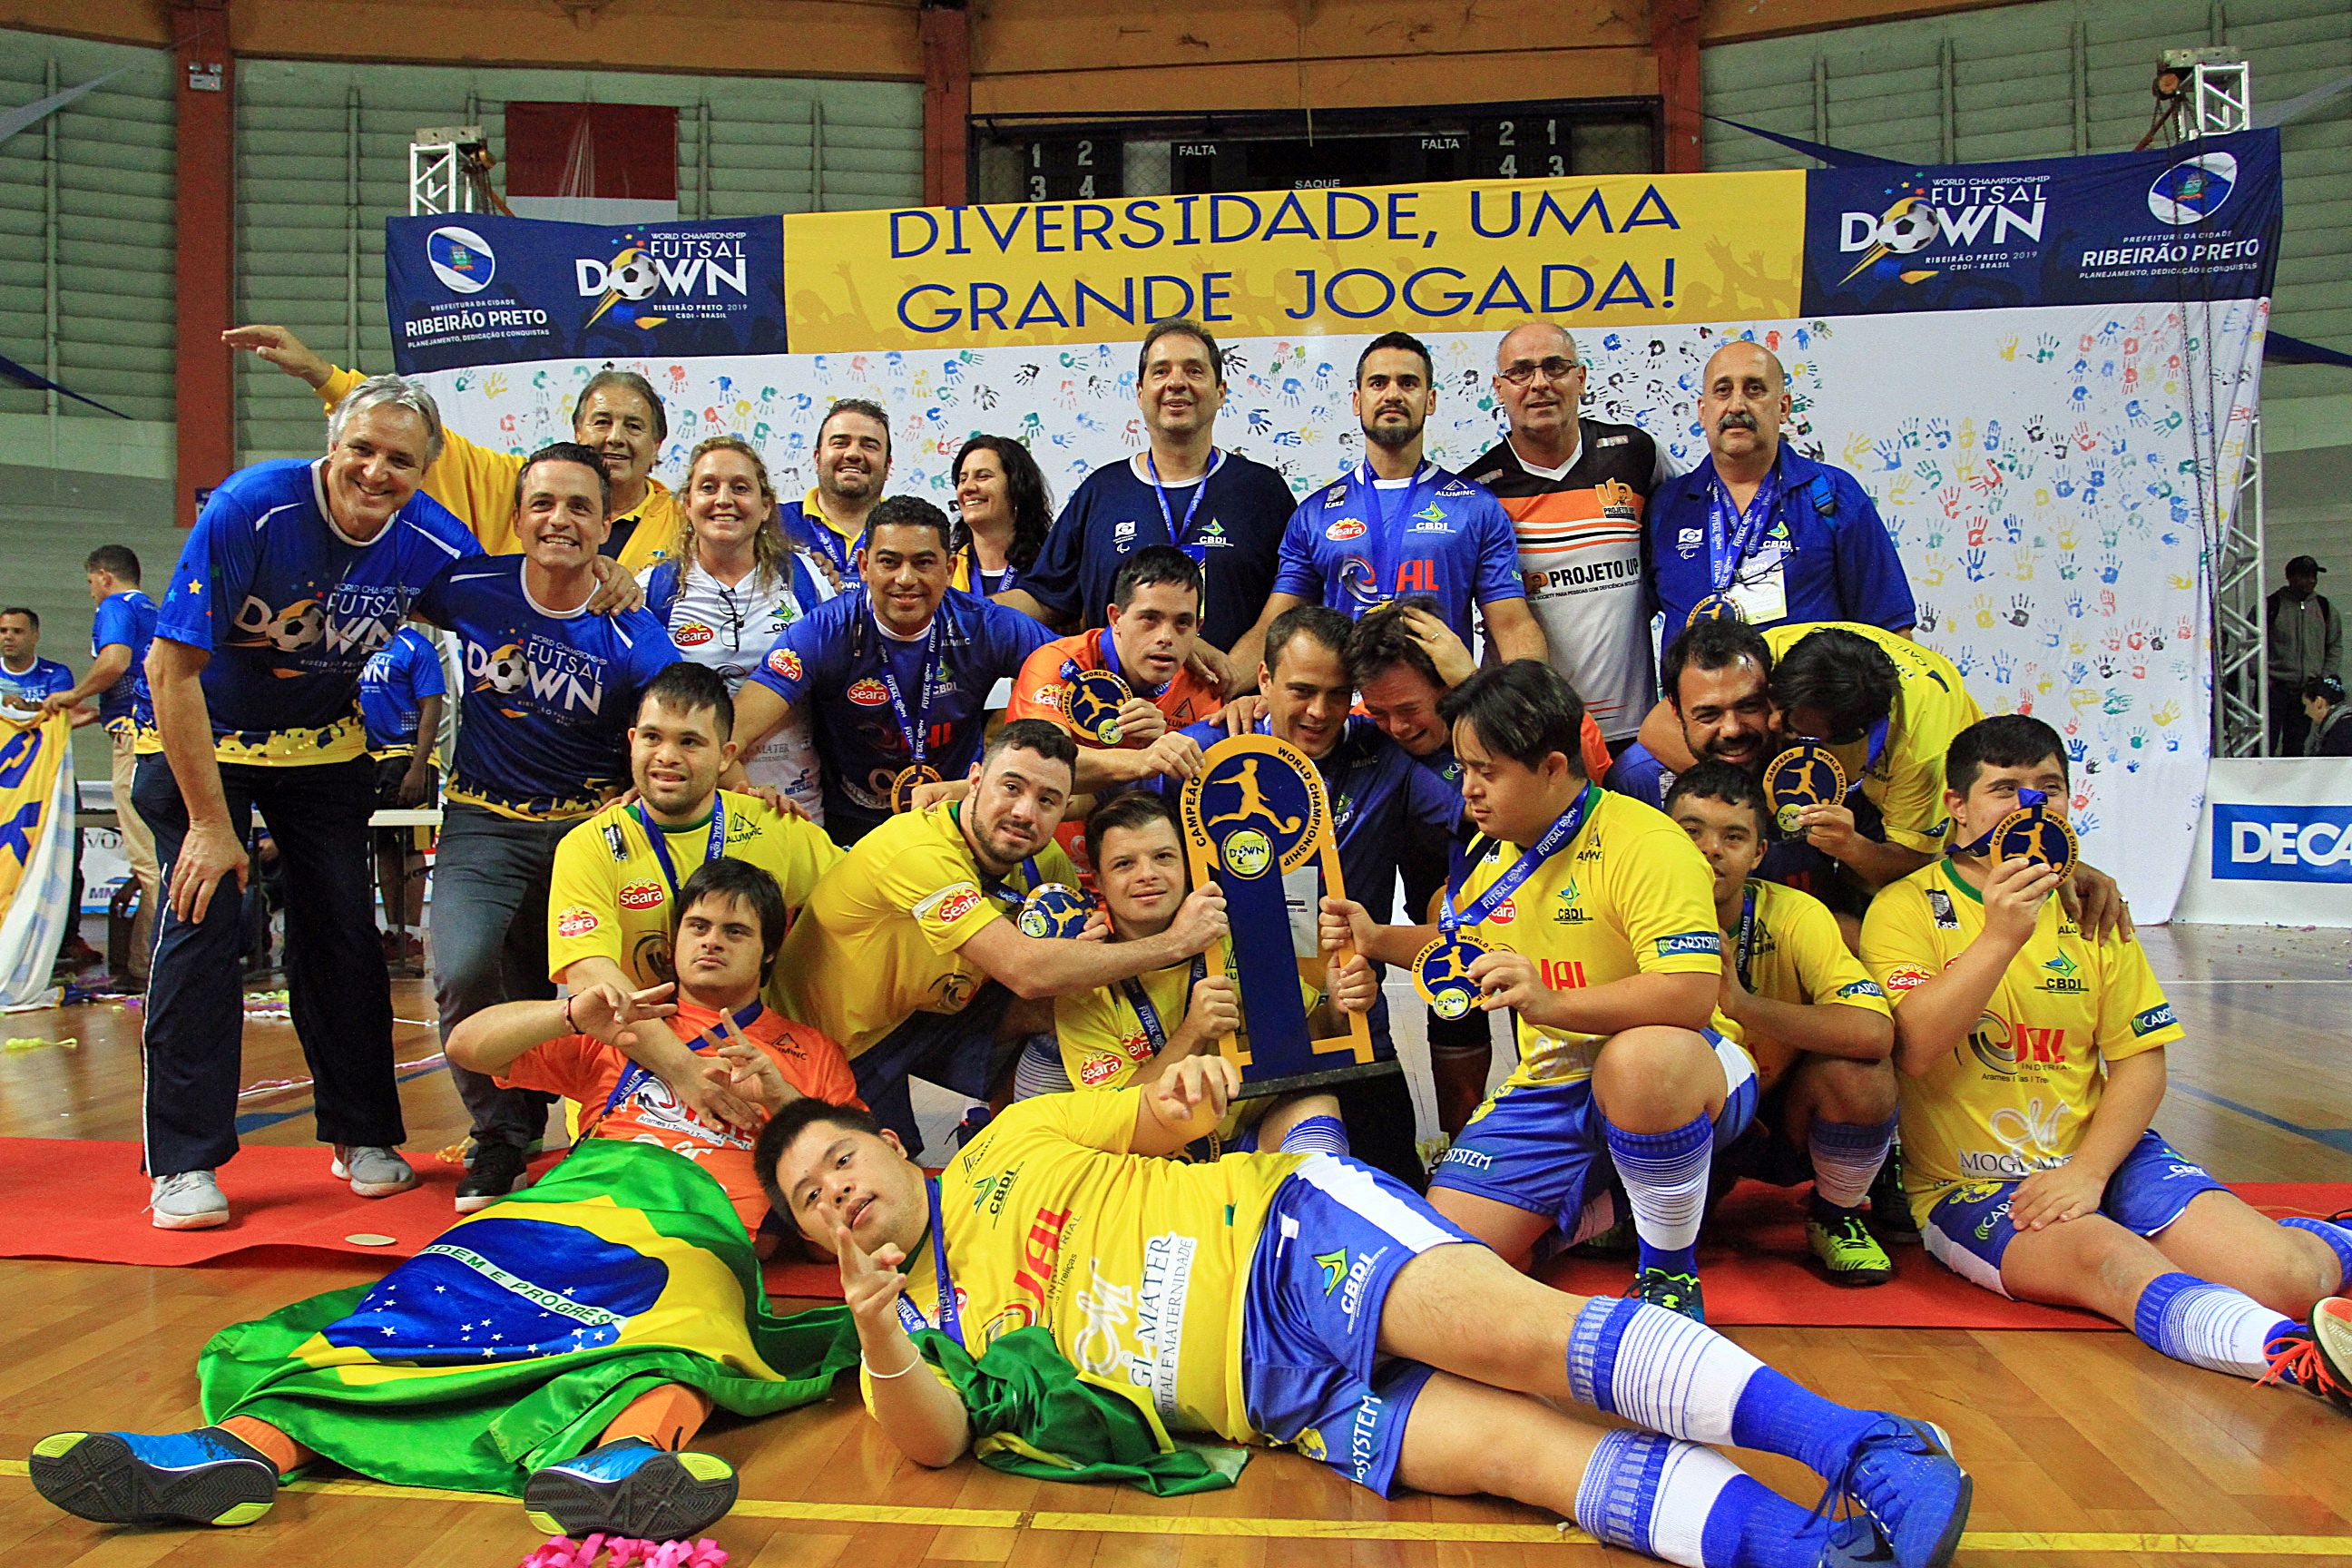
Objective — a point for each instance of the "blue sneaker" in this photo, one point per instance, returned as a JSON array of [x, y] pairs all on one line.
[[630, 1488], [1855, 1542], [203, 1476], [1902, 1478]]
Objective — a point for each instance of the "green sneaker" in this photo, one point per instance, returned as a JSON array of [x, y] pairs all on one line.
[[1849, 1253], [1675, 1293]]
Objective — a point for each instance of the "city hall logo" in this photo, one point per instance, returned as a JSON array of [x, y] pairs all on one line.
[[2283, 843], [1943, 217], [2193, 189], [461, 259]]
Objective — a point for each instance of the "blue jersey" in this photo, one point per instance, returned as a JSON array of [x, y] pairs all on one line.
[[32, 687], [1230, 523], [126, 619], [1381, 797], [1824, 556], [547, 697], [402, 673], [829, 664], [1358, 543], [290, 607], [807, 530]]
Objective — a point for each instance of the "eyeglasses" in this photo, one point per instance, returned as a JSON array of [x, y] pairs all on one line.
[[1554, 369]]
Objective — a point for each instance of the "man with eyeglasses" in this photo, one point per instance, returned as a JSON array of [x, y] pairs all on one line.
[[1575, 489]]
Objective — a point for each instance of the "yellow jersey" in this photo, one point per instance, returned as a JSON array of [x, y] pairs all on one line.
[[2016, 1097], [1932, 706], [1795, 954], [885, 927], [1629, 895], [478, 485], [609, 898], [1137, 1267]]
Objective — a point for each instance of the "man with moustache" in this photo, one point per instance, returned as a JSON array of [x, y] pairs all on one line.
[[1575, 489], [852, 464], [910, 953], [1217, 506], [1398, 524], [1763, 532], [895, 674]]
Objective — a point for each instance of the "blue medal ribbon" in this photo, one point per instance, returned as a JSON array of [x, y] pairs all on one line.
[[1387, 528], [634, 1079], [915, 730], [950, 1316], [660, 843], [1746, 947], [1111, 662], [1727, 547], [1149, 1015], [1180, 536], [1555, 839]]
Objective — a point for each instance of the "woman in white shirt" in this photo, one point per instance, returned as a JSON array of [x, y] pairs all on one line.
[[732, 589]]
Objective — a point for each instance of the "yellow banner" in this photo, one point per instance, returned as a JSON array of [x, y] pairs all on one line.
[[30, 754], [1629, 250]]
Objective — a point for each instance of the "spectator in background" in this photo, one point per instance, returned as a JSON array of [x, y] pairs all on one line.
[[119, 635], [1763, 532], [401, 694], [852, 464], [28, 682], [2306, 639], [2331, 720], [1004, 512]]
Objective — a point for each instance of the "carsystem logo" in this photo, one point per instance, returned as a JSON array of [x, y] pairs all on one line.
[[2283, 843], [461, 259], [2193, 189]]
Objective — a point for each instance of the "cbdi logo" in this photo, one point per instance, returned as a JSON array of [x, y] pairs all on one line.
[[461, 259], [2283, 843]]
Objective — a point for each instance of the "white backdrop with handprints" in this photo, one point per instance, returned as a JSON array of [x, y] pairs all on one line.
[[2050, 476]]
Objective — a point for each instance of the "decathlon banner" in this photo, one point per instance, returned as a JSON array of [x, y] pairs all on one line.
[[467, 289], [2048, 466], [36, 842], [2274, 845]]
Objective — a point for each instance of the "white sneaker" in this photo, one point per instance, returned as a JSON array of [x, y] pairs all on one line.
[[373, 1170], [189, 1200]]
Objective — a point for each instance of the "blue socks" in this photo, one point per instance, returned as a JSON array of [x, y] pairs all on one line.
[[1690, 1505], [2208, 1325], [2336, 1236], [1666, 1181], [1317, 1134]]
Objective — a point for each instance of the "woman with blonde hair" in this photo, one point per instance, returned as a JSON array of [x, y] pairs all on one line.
[[732, 589]]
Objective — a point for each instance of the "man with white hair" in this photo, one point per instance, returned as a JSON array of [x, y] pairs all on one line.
[[293, 575]]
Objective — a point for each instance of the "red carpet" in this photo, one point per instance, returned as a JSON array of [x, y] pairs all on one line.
[[86, 1201]]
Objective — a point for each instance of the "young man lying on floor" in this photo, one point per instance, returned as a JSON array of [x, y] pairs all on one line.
[[566, 1343]]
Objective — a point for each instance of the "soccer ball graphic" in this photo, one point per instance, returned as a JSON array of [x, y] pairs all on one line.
[[504, 671], [1909, 228], [290, 630], [631, 275]]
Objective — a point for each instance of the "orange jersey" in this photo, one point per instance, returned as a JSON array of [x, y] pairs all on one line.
[[622, 1100], [1039, 689]]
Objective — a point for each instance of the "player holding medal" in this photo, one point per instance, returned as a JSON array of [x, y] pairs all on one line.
[[1613, 964], [895, 675]]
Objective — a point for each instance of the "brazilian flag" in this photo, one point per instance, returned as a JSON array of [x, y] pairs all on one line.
[[516, 1338]]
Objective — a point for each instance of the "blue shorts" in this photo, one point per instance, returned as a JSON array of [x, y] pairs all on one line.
[[1968, 1230], [1544, 1149], [955, 1050], [1311, 1368]]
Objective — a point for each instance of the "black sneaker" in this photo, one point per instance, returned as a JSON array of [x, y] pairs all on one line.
[[1890, 1211], [1675, 1293], [495, 1170]]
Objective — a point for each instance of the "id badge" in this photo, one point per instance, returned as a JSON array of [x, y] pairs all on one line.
[[1764, 598]]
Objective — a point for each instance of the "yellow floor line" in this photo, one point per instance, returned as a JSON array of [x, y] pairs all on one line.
[[1260, 1527]]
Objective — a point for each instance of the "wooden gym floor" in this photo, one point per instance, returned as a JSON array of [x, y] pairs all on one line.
[[2087, 1448]]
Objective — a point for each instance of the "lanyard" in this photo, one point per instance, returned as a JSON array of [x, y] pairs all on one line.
[[1149, 1015], [1387, 528], [916, 730], [911, 1317], [1727, 546], [1111, 662], [660, 842], [1746, 945], [1555, 839], [997, 889], [1179, 537], [836, 548], [634, 1079]]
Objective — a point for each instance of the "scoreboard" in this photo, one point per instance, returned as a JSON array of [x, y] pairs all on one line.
[[1066, 161]]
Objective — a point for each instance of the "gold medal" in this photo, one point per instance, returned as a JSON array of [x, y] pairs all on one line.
[[1713, 607], [909, 779], [1441, 972], [2029, 832], [1092, 699], [1807, 775]]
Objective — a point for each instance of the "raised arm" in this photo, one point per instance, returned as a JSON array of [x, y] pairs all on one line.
[[1933, 1018], [921, 1414], [1032, 967]]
